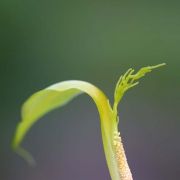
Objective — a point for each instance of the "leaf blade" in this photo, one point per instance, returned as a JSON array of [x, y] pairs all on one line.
[[38, 105]]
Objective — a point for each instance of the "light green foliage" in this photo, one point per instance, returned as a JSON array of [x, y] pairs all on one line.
[[61, 93], [129, 80]]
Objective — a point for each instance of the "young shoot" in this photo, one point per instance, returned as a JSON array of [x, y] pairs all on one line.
[[61, 93]]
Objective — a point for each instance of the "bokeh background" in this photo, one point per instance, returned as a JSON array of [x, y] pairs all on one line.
[[44, 42]]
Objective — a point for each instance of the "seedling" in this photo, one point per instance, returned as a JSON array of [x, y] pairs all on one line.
[[61, 93]]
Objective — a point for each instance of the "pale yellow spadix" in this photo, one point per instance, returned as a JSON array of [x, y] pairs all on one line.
[[61, 93]]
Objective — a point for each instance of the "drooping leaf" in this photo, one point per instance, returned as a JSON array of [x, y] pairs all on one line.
[[58, 95], [61, 93]]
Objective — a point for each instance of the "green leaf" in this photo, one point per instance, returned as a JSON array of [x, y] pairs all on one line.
[[61, 93], [39, 104], [58, 95]]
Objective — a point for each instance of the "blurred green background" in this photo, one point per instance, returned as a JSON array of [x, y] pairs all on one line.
[[44, 42]]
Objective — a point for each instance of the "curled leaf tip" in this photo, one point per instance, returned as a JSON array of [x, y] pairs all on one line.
[[26, 156]]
